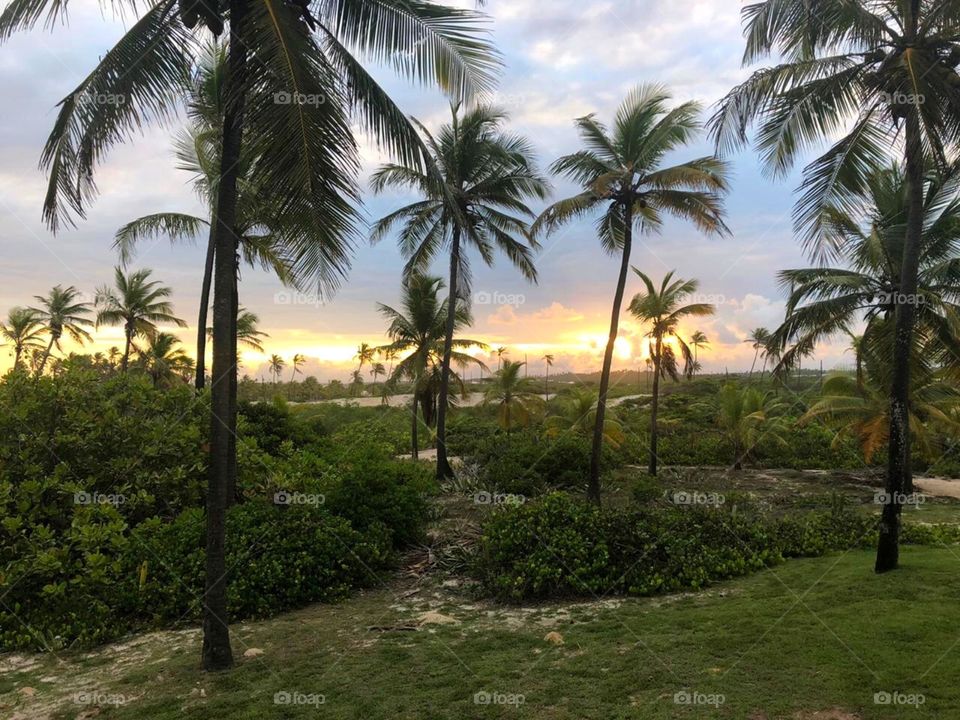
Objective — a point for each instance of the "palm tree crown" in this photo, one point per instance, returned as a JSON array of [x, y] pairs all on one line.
[[514, 396], [23, 330], [62, 311]]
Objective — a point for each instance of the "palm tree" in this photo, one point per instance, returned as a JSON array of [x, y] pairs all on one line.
[[248, 332], [514, 397], [475, 199], [758, 340], [662, 309], [377, 370], [578, 412], [879, 75], [356, 383], [276, 365], [24, 330], [365, 354], [307, 155], [296, 362], [163, 360], [501, 351], [620, 172], [61, 311], [417, 331], [698, 340], [745, 416], [138, 304], [548, 359]]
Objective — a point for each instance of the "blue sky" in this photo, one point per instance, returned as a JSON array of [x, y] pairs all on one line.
[[577, 58]]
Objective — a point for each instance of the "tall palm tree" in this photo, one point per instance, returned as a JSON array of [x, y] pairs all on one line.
[[62, 311], [306, 149], [698, 340], [137, 303], [621, 172], [296, 362], [758, 339], [166, 363], [514, 396], [662, 309], [365, 354], [277, 364], [548, 359], [475, 199], [417, 331], [23, 329], [866, 76], [501, 351], [377, 370]]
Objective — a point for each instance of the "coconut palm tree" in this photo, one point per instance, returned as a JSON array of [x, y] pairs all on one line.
[[548, 359], [292, 80], [621, 172], [276, 365], [356, 383], [377, 370], [577, 414], [501, 352], [365, 354], [475, 199], [62, 311], [166, 363], [698, 340], [248, 333], [296, 362], [868, 77], [662, 308], [514, 397], [417, 331], [744, 416], [23, 329], [758, 339], [137, 303]]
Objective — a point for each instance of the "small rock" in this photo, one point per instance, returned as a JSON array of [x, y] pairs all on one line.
[[554, 638], [432, 617], [252, 652]]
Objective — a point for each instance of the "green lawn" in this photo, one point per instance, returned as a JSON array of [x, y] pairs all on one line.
[[807, 636]]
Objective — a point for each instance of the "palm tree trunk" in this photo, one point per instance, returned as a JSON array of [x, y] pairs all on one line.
[[899, 477], [414, 438], [232, 437], [127, 341], [443, 466], [46, 355], [201, 370], [654, 408], [756, 354], [217, 654], [593, 487]]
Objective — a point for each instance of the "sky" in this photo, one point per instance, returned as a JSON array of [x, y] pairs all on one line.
[[581, 57]]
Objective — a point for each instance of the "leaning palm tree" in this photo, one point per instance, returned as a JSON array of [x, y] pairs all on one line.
[[621, 172], [23, 330], [548, 360], [662, 308], [365, 354], [292, 80], [758, 339], [276, 365], [514, 397], [698, 340], [475, 199], [868, 77], [62, 311], [417, 332], [163, 360], [137, 303], [296, 362]]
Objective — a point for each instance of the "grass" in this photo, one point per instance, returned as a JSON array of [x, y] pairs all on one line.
[[807, 636]]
